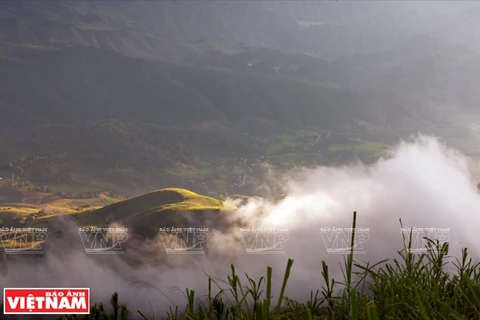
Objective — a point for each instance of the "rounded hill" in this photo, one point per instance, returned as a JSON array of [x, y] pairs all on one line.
[[161, 208]]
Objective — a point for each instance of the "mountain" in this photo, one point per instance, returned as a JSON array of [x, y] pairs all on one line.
[[87, 105], [98, 84], [76, 23], [300, 26], [105, 95], [172, 29], [275, 63], [439, 77]]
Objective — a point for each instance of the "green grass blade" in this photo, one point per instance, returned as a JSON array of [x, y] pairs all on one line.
[[284, 285], [372, 312]]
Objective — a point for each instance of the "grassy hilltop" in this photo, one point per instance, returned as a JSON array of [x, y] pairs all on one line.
[[143, 215], [162, 208]]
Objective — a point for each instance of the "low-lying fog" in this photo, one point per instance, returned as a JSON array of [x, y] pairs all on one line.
[[424, 183]]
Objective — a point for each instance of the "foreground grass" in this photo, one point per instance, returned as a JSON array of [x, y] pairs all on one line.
[[410, 287]]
